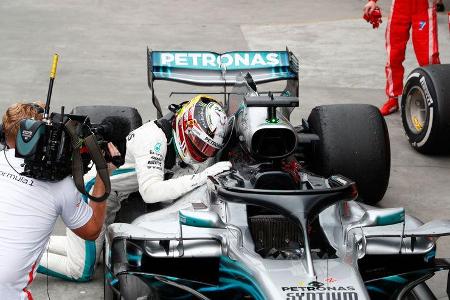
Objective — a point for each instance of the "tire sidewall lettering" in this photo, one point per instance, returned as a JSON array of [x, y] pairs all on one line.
[[423, 82]]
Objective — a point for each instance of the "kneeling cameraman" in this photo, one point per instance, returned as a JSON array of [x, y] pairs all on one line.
[[29, 209]]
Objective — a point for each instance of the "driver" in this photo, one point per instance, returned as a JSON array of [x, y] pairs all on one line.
[[165, 160], [183, 154]]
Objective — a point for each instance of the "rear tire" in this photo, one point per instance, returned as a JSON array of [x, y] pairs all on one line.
[[426, 109], [97, 113], [354, 142]]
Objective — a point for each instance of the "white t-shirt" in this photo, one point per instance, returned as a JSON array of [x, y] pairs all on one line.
[[29, 209]]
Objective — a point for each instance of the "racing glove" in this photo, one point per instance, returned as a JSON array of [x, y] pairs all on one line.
[[375, 18], [154, 189], [220, 167]]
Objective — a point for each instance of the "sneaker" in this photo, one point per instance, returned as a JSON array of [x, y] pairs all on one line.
[[391, 106], [440, 7]]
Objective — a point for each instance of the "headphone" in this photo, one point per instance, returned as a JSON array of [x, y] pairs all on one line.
[[35, 106]]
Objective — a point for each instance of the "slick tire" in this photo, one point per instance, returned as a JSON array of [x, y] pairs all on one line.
[[425, 109], [354, 142]]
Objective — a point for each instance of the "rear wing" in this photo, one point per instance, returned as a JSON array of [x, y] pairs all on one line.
[[218, 69], [210, 68]]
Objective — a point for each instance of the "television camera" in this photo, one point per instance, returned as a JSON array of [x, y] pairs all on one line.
[[63, 144]]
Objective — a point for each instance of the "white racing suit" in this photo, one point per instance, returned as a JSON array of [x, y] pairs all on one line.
[[72, 258]]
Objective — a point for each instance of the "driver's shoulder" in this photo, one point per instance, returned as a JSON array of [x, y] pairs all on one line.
[[147, 130], [147, 135]]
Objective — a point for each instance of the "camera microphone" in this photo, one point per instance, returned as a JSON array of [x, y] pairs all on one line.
[[114, 129]]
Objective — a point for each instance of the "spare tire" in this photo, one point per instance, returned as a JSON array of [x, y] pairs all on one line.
[[97, 113], [354, 142], [426, 109]]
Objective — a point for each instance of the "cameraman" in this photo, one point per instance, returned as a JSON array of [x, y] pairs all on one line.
[[29, 209]]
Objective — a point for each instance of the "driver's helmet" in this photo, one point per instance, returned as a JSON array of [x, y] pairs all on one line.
[[199, 129]]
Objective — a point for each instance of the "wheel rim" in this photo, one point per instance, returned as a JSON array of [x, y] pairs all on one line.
[[416, 110]]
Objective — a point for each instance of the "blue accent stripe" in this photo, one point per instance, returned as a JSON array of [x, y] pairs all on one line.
[[89, 260], [123, 171], [45, 271], [396, 278], [430, 255], [134, 257], [376, 290], [90, 246], [238, 272]]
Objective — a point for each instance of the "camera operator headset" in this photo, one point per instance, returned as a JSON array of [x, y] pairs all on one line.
[[39, 110], [29, 207]]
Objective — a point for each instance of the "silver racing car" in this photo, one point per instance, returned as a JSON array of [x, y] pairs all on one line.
[[292, 220]]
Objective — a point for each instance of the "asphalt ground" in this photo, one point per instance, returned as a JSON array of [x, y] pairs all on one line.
[[102, 48]]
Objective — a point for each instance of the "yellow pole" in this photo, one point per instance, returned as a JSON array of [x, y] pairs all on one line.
[[50, 86], [54, 65]]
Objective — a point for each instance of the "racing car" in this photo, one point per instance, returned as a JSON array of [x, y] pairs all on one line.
[[426, 109], [284, 223]]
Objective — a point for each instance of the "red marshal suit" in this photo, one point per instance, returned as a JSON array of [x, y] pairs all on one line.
[[420, 15]]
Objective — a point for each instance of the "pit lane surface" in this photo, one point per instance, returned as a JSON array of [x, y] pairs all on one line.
[[102, 47]]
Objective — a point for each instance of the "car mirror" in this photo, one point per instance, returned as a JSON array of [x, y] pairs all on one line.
[[382, 217], [204, 219], [378, 217]]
